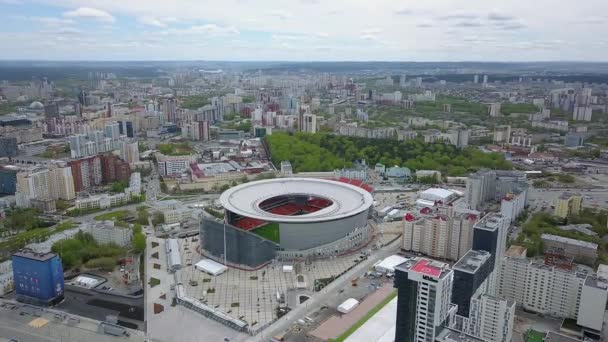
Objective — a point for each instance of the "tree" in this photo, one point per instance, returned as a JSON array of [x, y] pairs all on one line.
[[158, 218], [139, 242]]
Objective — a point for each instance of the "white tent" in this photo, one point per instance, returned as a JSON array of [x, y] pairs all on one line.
[[388, 265], [211, 267], [349, 305]]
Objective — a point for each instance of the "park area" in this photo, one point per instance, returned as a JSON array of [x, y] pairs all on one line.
[[175, 149]]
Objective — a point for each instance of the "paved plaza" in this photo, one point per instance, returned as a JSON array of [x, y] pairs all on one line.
[[252, 295]]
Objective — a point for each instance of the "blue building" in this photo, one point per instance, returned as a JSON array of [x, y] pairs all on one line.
[[38, 277], [8, 180]]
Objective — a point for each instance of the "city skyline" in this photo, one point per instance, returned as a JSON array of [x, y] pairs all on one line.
[[302, 30]]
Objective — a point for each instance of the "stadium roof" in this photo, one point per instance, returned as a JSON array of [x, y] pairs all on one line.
[[348, 200]]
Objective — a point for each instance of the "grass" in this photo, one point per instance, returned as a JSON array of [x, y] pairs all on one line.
[[175, 149], [365, 318], [534, 336], [269, 232], [154, 281], [69, 224], [118, 215]]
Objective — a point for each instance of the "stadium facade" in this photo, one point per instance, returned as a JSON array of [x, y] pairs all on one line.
[[289, 218]]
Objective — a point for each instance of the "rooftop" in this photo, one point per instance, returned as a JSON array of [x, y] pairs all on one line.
[[347, 199], [424, 266], [569, 241], [567, 195], [471, 261], [552, 336], [516, 251], [449, 335], [29, 254], [598, 283], [489, 222]]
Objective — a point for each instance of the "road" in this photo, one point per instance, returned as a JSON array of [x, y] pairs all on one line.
[[321, 298]]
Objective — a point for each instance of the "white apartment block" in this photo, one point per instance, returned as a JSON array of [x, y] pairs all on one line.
[[32, 185], [62, 183], [174, 165], [513, 205], [105, 232], [444, 235], [492, 318], [551, 290], [102, 201]]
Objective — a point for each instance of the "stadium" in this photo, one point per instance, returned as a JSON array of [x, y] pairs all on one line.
[[289, 218]]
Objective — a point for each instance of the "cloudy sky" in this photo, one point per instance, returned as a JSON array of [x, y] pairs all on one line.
[[304, 30]]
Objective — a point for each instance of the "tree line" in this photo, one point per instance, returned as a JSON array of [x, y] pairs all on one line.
[[326, 152]]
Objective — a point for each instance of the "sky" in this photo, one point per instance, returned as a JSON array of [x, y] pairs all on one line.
[[304, 30]]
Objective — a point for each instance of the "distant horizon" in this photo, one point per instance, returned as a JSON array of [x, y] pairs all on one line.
[[303, 30], [303, 61]]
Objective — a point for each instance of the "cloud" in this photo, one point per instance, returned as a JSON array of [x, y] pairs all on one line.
[[369, 37], [152, 22], [467, 24], [405, 11], [91, 13], [11, 2], [509, 26], [283, 15], [51, 21], [212, 30], [322, 34], [425, 25], [371, 31], [460, 16], [495, 16], [282, 38]]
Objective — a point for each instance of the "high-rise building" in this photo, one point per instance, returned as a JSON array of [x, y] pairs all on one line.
[[479, 314], [169, 110], [494, 185], [403, 81], [459, 137], [218, 103], [480, 188], [126, 128], [439, 232], [201, 130], [513, 204], [559, 291], [86, 173], [493, 108], [130, 152], [423, 301], [475, 79], [38, 277], [8, 179], [582, 113], [62, 182], [33, 184], [490, 235], [568, 204], [8, 147], [112, 130], [310, 123], [485, 79]]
